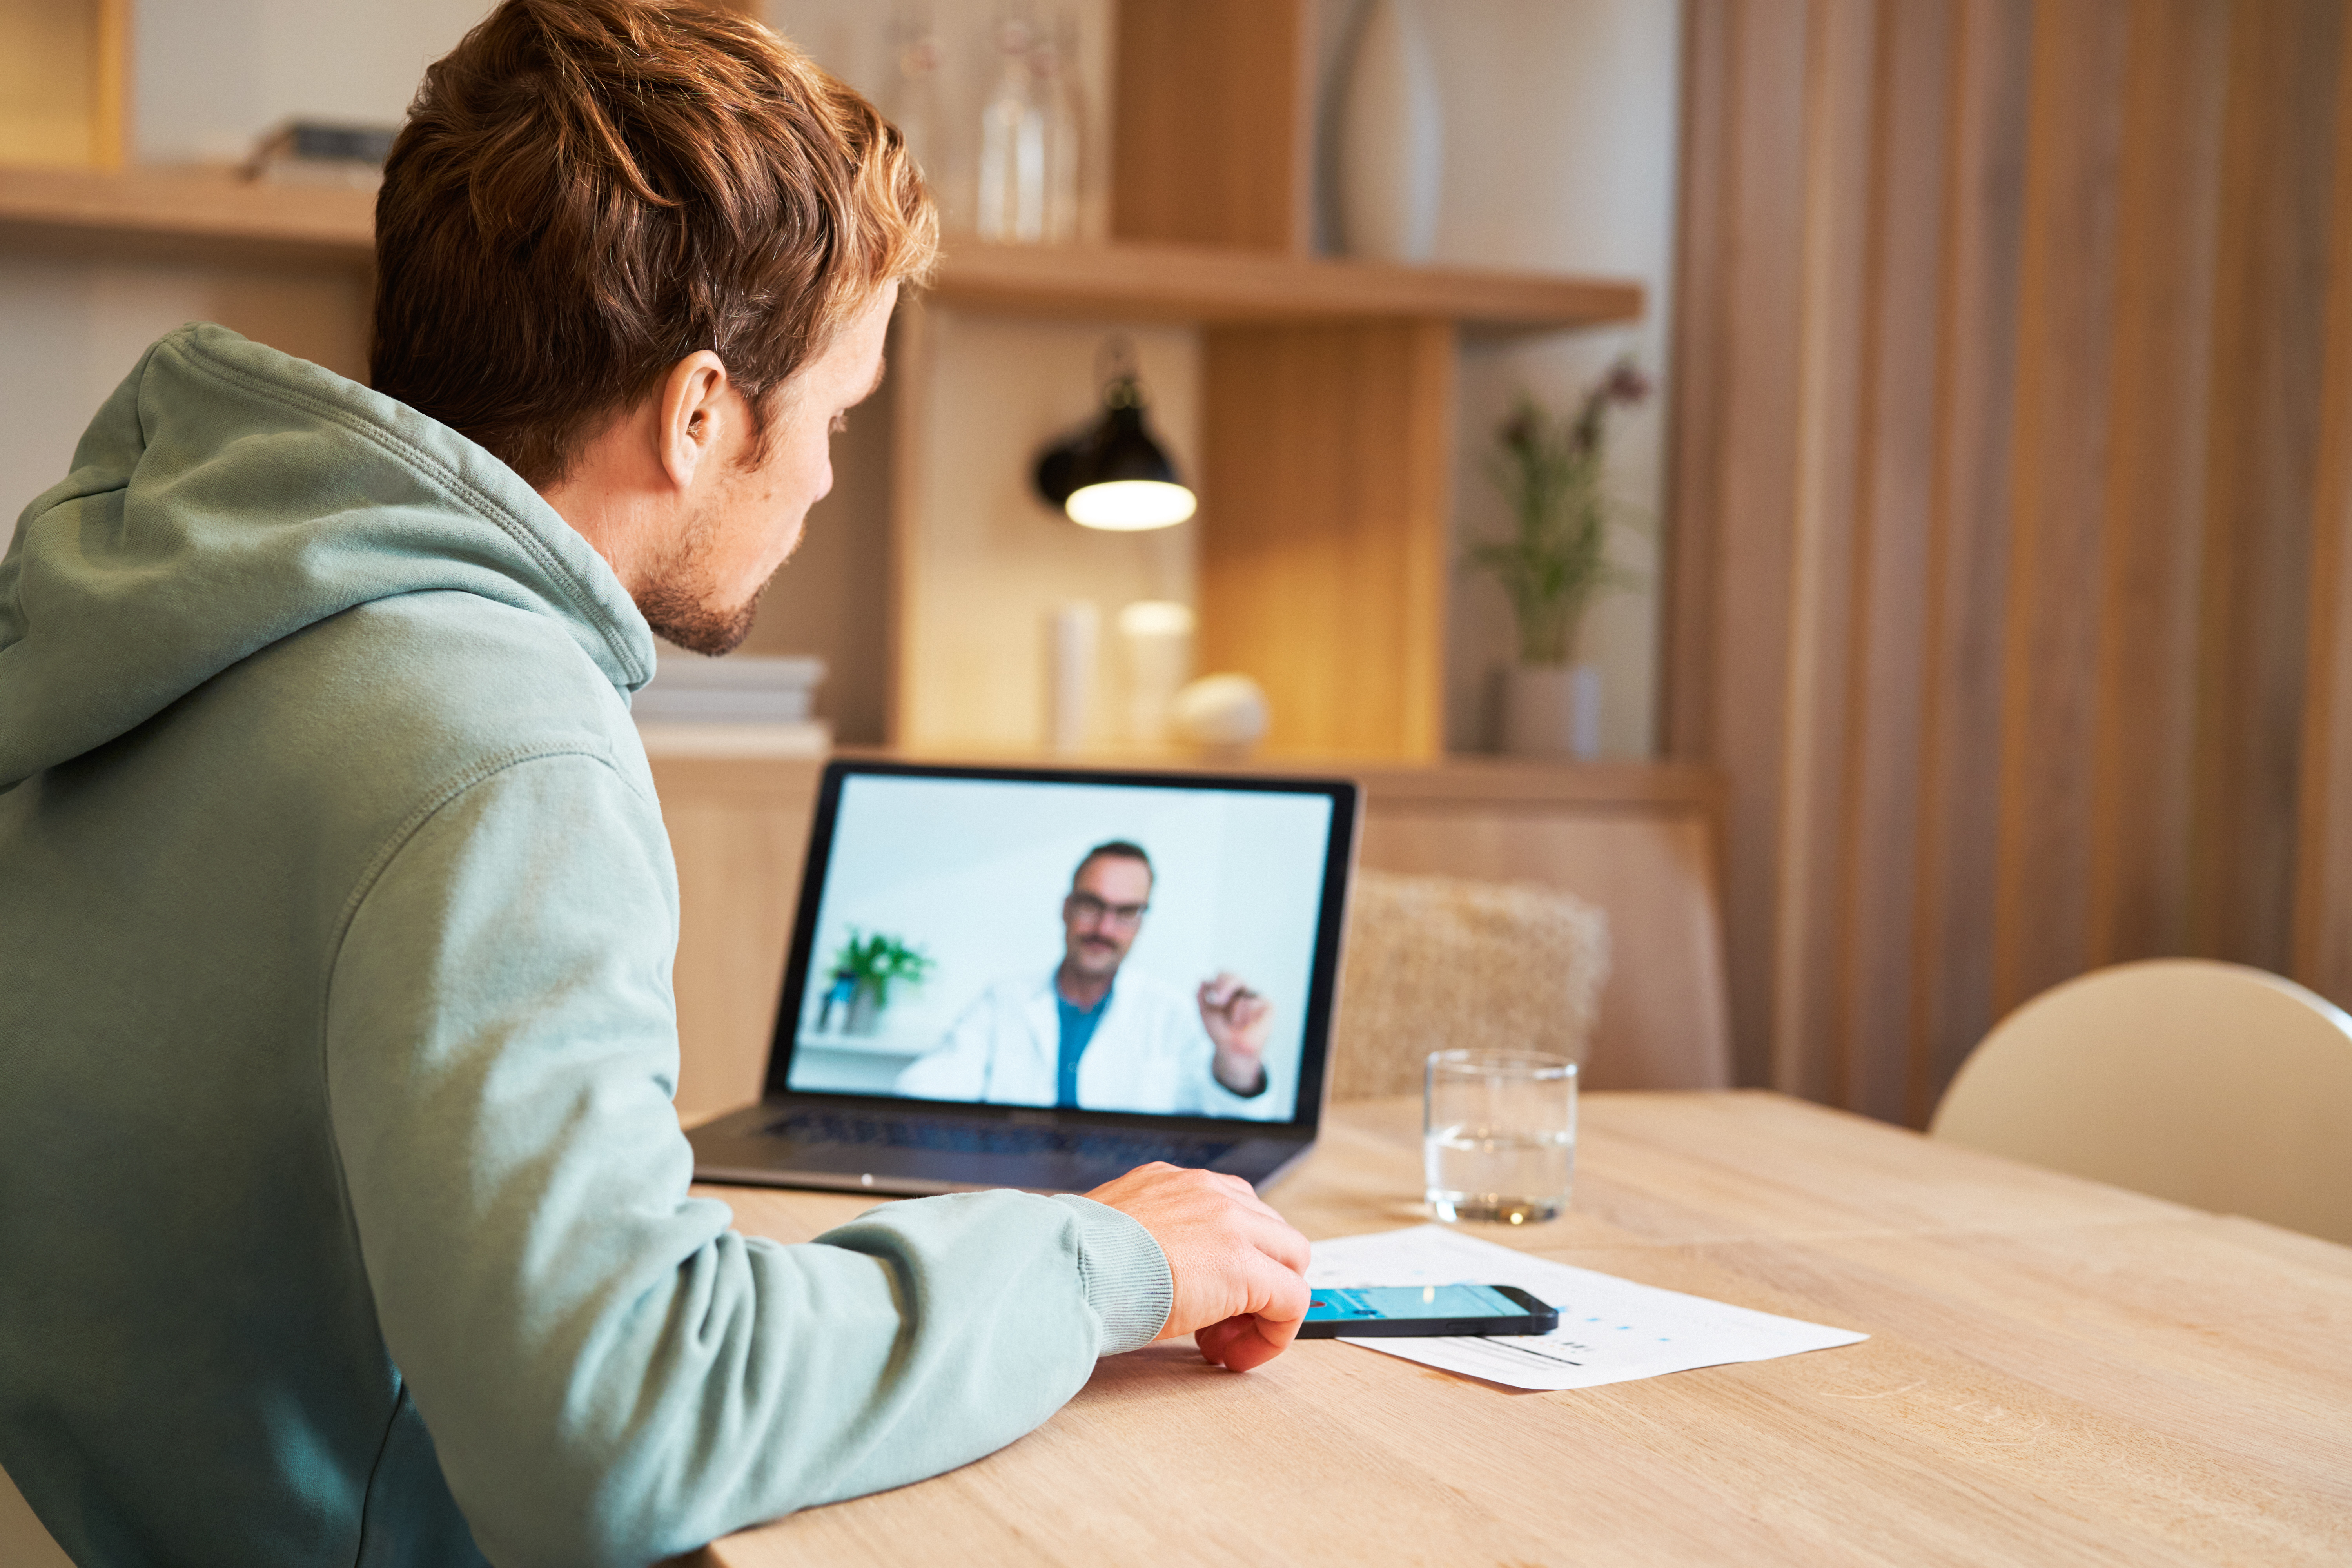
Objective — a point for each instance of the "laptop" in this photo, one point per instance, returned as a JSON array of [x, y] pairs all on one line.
[[1042, 978]]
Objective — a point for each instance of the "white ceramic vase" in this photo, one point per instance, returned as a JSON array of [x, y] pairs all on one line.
[[1157, 634], [1072, 633], [1551, 710], [1392, 139]]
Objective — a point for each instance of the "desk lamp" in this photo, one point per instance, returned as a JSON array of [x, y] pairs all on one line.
[[1112, 474]]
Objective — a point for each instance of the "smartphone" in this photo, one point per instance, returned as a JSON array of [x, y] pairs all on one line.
[[1399, 1310]]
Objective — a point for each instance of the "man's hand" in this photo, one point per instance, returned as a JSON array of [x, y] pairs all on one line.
[[1237, 1019], [1237, 1265]]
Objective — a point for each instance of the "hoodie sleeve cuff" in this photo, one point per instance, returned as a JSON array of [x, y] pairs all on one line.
[[1124, 1273]]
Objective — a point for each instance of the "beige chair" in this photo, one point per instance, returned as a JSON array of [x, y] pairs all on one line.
[[2210, 1084], [1436, 962]]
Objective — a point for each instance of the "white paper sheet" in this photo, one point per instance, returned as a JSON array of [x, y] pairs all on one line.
[[1610, 1329]]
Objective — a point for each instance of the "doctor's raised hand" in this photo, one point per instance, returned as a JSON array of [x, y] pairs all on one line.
[[1237, 1019]]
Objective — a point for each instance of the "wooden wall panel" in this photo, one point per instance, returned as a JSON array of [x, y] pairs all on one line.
[[1997, 449], [1895, 475], [1827, 537], [2267, 368], [1702, 339], [1326, 463], [1755, 470], [1214, 106], [2169, 192], [2058, 496], [2322, 924], [64, 67], [1974, 370]]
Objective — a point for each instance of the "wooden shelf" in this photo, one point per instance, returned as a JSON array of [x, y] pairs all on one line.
[[1223, 285], [1326, 460], [200, 214], [180, 213]]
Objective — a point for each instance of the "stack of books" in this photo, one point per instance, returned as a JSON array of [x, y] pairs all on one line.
[[740, 706], [312, 153]]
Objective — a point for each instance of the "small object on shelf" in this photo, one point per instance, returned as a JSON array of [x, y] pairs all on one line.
[[1070, 674], [1391, 158], [1112, 474], [1054, 67], [1557, 559], [1157, 637], [744, 705], [1033, 150], [316, 153], [913, 100], [742, 688], [1013, 132], [1551, 710], [1224, 714]]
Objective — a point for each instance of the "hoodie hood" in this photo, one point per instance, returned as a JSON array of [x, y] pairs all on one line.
[[226, 496]]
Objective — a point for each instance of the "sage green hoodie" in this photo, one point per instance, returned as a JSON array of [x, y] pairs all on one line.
[[343, 1211]]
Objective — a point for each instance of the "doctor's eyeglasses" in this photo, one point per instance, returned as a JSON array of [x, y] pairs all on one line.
[[1087, 907]]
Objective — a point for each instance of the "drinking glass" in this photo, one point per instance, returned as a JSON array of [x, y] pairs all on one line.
[[1498, 1134]]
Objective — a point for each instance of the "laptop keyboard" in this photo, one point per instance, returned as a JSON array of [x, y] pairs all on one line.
[[1094, 1146]]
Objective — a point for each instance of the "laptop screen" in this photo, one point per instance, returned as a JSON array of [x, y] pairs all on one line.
[[1152, 945]]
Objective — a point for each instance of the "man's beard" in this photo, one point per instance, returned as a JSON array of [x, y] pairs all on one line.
[[677, 600]]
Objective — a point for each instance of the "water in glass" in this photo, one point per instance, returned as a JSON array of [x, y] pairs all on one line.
[[1498, 1135], [1481, 1173]]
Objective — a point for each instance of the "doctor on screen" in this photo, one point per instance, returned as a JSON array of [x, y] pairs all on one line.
[[1089, 1035]]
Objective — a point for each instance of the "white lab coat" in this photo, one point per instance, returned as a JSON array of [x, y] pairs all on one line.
[[1150, 1053]]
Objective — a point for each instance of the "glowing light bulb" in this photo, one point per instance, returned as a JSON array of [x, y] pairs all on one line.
[[1128, 506]]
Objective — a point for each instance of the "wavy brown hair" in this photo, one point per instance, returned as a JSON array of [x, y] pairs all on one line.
[[588, 191]]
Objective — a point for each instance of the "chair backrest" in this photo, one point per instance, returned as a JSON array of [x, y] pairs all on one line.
[[1436, 962], [2210, 1084], [1648, 864]]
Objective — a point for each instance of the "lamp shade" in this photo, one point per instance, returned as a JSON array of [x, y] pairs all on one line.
[[1112, 474]]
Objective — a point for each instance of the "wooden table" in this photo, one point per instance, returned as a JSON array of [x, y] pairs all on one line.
[[2059, 1373]]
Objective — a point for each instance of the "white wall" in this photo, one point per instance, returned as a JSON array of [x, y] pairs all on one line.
[[1560, 121], [211, 75]]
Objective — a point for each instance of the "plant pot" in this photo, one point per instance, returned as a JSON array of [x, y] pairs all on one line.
[[1551, 710], [863, 1014]]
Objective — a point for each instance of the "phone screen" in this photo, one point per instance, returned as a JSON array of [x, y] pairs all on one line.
[[1393, 1302]]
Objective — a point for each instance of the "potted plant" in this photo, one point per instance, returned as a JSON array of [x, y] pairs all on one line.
[[862, 972], [1555, 561]]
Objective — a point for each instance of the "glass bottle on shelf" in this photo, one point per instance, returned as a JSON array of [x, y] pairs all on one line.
[[1053, 71], [1013, 139], [916, 54]]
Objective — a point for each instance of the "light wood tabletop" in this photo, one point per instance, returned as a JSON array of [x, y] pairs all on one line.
[[2058, 1372]]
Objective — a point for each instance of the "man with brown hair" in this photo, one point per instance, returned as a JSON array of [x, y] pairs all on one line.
[[343, 1208]]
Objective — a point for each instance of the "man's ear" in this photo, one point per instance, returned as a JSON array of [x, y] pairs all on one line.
[[692, 415]]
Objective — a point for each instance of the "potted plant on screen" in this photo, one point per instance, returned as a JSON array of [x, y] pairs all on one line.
[[1556, 560], [863, 972]]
